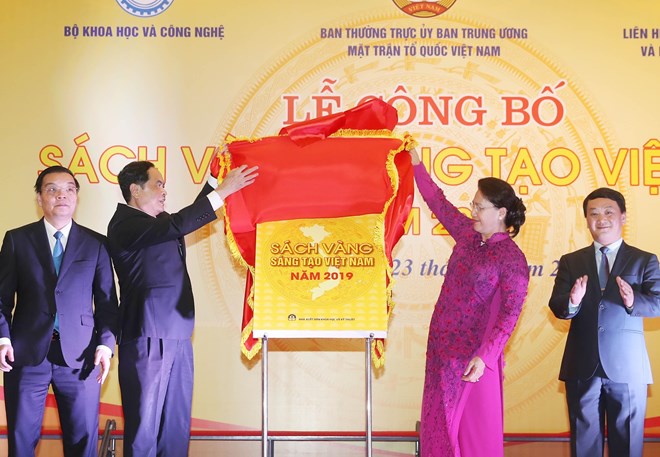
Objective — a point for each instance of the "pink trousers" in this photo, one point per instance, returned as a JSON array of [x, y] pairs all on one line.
[[480, 432]]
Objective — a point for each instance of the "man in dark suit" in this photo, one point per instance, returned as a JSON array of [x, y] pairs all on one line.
[[157, 310], [59, 316], [606, 289]]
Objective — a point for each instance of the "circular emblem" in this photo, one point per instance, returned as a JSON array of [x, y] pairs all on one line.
[[422, 8], [145, 8]]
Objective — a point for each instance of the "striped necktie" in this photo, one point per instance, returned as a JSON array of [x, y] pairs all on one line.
[[604, 269], [58, 251]]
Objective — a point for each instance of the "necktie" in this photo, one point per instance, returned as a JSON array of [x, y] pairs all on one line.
[[604, 269], [58, 251]]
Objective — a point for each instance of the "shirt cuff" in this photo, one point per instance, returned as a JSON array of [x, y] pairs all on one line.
[[572, 308], [105, 349], [5, 340], [215, 200]]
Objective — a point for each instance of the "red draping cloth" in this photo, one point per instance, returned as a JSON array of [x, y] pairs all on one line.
[[313, 174], [374, 114]]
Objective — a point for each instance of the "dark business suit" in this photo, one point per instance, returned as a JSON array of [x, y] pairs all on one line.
[[83, 296], [157, 319], [605, 349]]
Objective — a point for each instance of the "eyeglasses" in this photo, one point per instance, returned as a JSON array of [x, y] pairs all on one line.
[[55, 190], [479, 208]]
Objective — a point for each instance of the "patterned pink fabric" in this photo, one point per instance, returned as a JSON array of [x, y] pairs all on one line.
[[479, 304]]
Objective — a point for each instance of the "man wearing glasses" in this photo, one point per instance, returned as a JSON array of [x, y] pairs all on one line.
[[58, 317]]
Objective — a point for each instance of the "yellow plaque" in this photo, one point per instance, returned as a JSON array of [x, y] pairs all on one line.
[[320, 278]]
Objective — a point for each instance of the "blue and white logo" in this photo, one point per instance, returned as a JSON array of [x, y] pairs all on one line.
[[145, 8]]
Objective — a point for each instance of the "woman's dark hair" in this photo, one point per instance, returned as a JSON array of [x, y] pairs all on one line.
[[501, 195], [604, 192], [53, 169], [133, 173]]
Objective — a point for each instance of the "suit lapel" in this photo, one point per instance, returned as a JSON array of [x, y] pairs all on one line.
[[589, 259], [622, 259], [620, 262], [71, 250], [41, 246]]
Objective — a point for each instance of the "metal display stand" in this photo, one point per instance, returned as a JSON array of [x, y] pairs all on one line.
[[265, 442], [367, 373]]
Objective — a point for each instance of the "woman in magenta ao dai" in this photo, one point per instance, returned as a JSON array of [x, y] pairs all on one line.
[[479, 303]]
